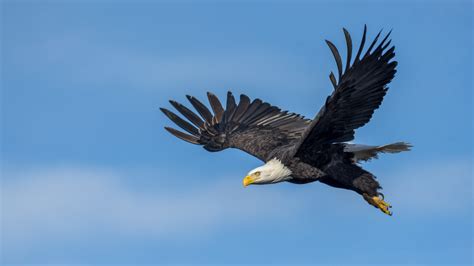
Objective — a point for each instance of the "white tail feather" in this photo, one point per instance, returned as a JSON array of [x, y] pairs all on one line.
[[366, 152]]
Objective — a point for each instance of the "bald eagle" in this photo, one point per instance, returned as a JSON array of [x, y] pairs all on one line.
[[300, 150]]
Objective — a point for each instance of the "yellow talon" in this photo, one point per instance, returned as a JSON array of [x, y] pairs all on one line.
[[379, 203]]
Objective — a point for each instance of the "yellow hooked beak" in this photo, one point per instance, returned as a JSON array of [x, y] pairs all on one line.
[[248, 180]]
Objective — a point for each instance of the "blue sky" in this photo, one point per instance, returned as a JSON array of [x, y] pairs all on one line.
[[90, 176]]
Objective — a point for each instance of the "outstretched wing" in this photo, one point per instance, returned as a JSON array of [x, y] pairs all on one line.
[[254, 126], [358, 92]]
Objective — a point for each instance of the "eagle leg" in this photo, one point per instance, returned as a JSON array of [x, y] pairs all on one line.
[[378, 202]]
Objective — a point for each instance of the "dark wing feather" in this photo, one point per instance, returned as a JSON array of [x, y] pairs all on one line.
[[255, 127], [201, 108], [349, 48], [230, 107], [183, 136], [180, 122], [337, 57], [195, 119], [216, 107], [358, 93], [242, 107]]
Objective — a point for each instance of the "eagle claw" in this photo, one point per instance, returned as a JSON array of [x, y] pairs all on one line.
[[379, 203]]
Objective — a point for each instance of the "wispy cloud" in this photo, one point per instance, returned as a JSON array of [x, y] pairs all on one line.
[[76, 203], [436, 187], [71, 203]]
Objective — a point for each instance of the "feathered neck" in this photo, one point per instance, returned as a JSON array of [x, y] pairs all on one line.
[[277, 170]]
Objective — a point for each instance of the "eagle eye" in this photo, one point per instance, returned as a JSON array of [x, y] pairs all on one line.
[[257, 173]]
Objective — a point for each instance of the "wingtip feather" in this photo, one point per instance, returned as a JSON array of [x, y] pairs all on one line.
[[183, 136]]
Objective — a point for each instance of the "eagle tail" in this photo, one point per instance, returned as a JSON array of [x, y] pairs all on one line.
[[395, 147], [367, 153]]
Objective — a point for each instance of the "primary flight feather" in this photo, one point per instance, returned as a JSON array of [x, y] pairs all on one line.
[[300, 150]]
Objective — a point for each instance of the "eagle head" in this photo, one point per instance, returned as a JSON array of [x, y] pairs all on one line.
[[273, 171]]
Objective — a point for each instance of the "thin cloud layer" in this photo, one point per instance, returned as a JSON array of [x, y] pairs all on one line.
[[435, 187], [69, 204], [72, 203]]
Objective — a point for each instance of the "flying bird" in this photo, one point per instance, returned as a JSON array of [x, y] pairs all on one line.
[[300, 150]]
